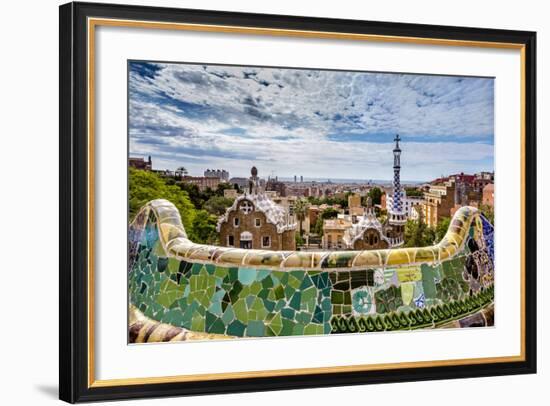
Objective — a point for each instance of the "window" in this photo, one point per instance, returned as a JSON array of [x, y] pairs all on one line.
[[266, 241], [246, 207], [236, 222], [230, 241], [258, 222]]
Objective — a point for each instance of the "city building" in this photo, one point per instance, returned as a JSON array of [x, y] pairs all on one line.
[[483, 179], [202, 182], [221, 174], [141, 163], [255, 221], [396, 213], [287, 203], [416, 212], [355, 206], [368, 234], [241, 183], [273, 184], [445, 195], [312, 214], [334, 231], [297, 189], [364, 232], [407, 202], [489, 195], [439, 200]]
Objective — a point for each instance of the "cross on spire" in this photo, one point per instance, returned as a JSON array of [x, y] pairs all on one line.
[[397, 139]]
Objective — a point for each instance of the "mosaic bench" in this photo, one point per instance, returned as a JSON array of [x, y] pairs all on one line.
[[179, 290]]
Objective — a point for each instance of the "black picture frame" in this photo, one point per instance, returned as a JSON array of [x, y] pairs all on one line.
[[74, 200]]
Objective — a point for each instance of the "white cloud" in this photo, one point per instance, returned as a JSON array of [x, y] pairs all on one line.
[[303, 122]]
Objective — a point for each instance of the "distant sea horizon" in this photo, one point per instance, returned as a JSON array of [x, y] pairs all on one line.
[[324, 180], [349, 180]]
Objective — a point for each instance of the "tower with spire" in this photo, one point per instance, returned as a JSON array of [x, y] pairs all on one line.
[[396, 215]]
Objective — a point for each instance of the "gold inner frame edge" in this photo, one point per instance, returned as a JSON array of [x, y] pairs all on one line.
[[92, 23]]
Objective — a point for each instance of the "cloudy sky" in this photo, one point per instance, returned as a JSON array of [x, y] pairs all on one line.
[[319, 124]]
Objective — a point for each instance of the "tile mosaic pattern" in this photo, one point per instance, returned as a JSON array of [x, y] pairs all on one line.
[[255, 293], [145, 330]]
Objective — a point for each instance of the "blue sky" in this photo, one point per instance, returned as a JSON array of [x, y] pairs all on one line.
[[319, 124]]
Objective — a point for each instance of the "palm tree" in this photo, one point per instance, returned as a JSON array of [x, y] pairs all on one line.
[[181, 171], [300, 209]]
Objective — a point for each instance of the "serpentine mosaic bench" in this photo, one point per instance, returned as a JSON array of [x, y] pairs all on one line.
[[180, 290]]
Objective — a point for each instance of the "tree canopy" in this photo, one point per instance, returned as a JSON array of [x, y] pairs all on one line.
[[376, 195], [145, 186], [199, 224], [442, 227], [329, 213], [300, 209], [217, 205], [418, 234], [414, 192]]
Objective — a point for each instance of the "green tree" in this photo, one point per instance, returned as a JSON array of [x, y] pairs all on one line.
[[299, 240], [217, 205], [414, 192], [418, 234], [300, 210], [376, 195], [442, 227], [204, 228], [413, 234], [145, 186], [223, 186], [318, 228], [429, 236], [329, 213], [315, 200], [181, 171], [193, 192]]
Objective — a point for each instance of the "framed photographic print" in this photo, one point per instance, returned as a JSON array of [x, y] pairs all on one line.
[[256, 202]]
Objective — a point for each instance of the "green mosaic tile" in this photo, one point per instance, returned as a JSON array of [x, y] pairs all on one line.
[[288, 327], [228, 315], [247, 275], [309, 294], [241, 311], [217, 327], [267, 283], [295, 301], [236, 328], [279, 292], [306, 283], [288, 313], [298, 330], [261, 274], [255, 329], [304, 317], [337, 297], [198, 323], [294, 282]]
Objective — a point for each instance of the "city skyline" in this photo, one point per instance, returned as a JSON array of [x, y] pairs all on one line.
[[310, 123]]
